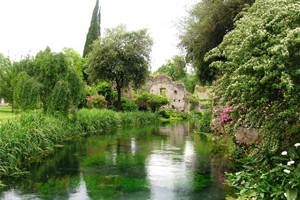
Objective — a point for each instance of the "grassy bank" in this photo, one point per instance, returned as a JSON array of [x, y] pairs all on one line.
[[95, 121], [6, 113], [32, 136]]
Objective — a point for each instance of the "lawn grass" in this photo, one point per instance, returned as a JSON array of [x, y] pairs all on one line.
[[6, 113]]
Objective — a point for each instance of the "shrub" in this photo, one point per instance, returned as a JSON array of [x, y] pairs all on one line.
[[259, 65], [106, 90], [194, 101], [196, 115], [147, 100], [128, 106], [277, 180], [204, 125], [96, 101], [163, 113]]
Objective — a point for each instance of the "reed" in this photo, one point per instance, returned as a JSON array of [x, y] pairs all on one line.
[[33, 135], [96, 121]]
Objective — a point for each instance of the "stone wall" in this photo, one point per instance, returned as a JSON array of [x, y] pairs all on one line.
[[202, 92]]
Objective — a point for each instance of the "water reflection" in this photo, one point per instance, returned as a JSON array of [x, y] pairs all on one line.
[[81, 191], [146, 163]]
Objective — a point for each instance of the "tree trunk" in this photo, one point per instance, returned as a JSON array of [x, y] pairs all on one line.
[[119, 99], [12, 106]]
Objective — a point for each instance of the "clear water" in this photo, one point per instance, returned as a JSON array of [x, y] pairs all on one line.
[[156, 163]]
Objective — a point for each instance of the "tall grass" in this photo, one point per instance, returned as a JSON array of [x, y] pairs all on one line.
[[33, 135], [6, 113], [29, 138], [95, 120]]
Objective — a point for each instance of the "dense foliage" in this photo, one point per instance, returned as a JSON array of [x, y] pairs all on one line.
[[176, 69], [128, 105], [96, 101], [46, 81], [121, 57], [204, 29], [26, 91], [6, 75], [259, 65], [76, 61], [146, 101], [259, 180], [94, 30]]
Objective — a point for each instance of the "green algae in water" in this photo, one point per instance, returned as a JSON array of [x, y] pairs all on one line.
[[146, 163]]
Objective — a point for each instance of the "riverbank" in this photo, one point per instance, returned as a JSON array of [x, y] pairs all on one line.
[[6, 113], [32, 136]]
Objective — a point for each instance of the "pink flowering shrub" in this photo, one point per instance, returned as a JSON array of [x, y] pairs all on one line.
[[225, 117], [96, 101]]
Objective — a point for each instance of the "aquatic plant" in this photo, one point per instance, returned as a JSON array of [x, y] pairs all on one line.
[[95, 120], [29, 138], [33, 135]]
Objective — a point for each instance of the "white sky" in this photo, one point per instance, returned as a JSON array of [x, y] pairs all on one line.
[[28, 26]]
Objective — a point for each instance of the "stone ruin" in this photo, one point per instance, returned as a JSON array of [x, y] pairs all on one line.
[[175, 92]]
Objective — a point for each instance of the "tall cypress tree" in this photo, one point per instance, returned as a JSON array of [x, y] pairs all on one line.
[[94, 30]]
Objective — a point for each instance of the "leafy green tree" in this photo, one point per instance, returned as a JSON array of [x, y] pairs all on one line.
[[94, 30], [190, 82], [175, 68], [76, 61], [54, 68], [259, 61], [26, 91], [204, 29], [121, 57], [6, 74], [46, 81]]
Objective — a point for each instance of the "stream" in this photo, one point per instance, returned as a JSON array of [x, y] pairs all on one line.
[[150, 162]]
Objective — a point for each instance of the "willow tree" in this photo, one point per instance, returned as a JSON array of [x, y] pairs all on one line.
[[47, 81], [26, 91], [6, 75], [121, 57]]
